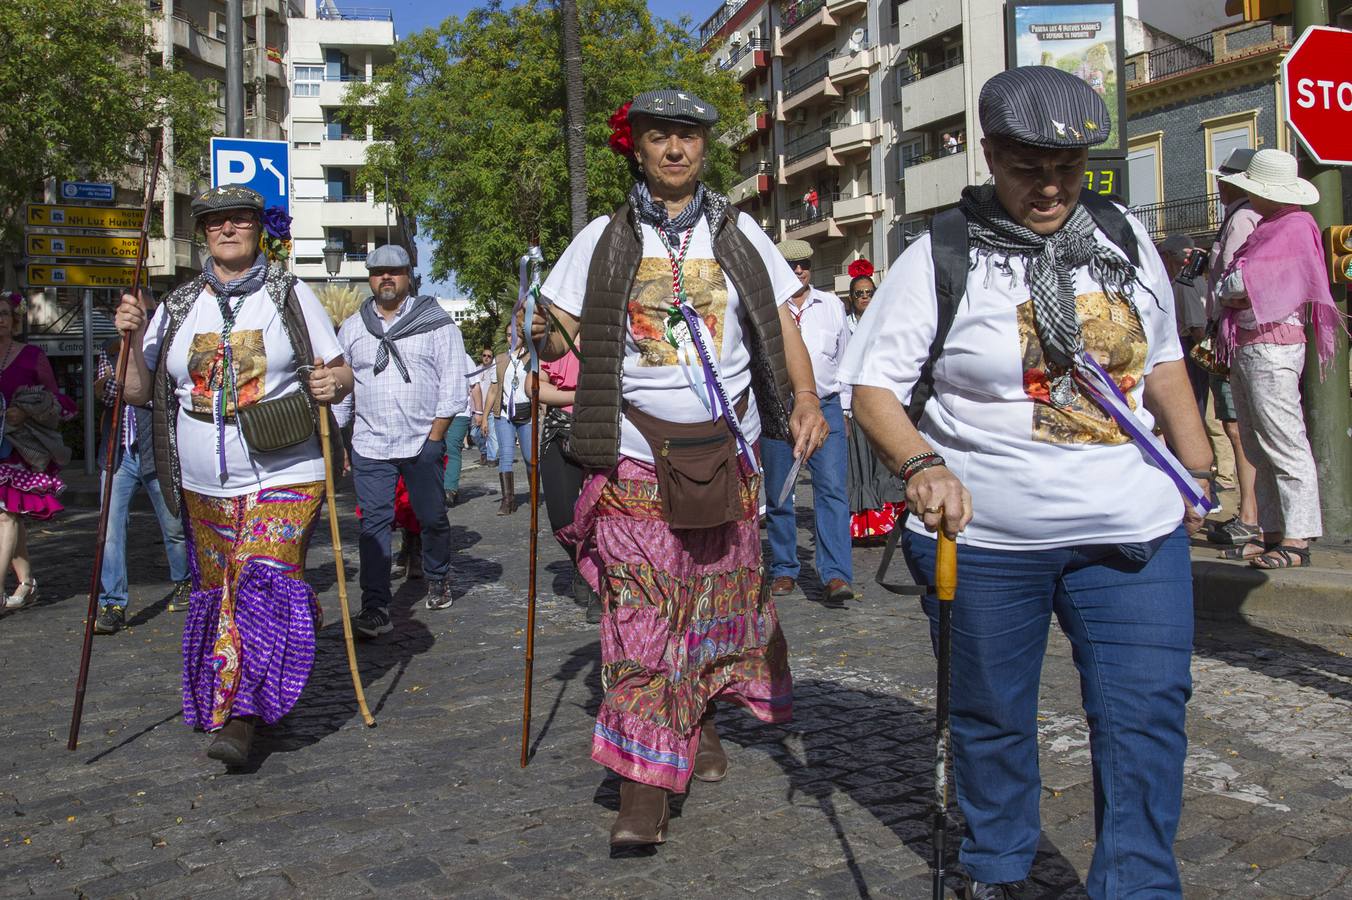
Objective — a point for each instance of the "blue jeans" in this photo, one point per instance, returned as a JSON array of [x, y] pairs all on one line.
[[1130, 628], [375, 481], [830, 503], [113, 574], [455, 442], [487, 439], [508, 437]]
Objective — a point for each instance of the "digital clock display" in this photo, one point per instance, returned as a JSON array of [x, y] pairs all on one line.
[[1107, 177]]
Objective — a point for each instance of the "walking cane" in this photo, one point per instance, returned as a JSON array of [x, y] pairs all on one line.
[[114, 435], [338, 565], [945, 585], [531, 264]]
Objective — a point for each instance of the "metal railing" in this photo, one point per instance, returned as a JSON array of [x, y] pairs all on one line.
[[1174, 58], [801, 214], [806, 75], [711, 25], [742, 50], [909, 74], [936, 153], [1206, 50], [1189, 215], [796, 12], [807, 144], [354, 14], [757, 167], [348, 77], [345, 198]]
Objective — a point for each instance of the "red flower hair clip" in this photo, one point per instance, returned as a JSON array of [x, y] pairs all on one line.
[[860, 268], [621, 134]]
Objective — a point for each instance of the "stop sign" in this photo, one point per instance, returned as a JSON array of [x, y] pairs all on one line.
[[1317, 86]]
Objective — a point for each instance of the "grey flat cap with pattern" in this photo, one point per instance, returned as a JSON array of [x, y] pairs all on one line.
[[227, 196], [678, 106], [391, 256], [1044, 107]]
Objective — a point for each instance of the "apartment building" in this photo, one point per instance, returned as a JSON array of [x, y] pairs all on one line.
[[330, 48]]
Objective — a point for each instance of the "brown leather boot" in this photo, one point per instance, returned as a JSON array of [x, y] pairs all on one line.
[[232, 742], [507, 482], [711, 762], [643, 816]]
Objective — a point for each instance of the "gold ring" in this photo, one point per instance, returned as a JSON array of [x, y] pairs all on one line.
[[934, 509]]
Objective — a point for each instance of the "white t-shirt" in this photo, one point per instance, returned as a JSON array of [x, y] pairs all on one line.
[[654, 380], [514, 386], [821, 321], [266, 370], [1040, 477], [470, 381]]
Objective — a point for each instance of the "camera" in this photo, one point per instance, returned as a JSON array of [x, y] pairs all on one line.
[[1196, 265]]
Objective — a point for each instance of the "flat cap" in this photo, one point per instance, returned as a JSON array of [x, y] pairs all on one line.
[[390, 256], [793, 250], [1176, 244], [677, 106], [227, 196], [1044, 107], [1237, 160]]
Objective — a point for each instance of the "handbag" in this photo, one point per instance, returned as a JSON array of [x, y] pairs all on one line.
[[698, 471], [277, 424], [1203, 353]]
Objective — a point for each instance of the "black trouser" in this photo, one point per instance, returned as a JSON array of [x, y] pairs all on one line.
[[561, 482]]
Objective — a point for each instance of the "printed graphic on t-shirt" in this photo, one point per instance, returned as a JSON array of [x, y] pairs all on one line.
[[1114, 337], [650, 305], [205, 366]]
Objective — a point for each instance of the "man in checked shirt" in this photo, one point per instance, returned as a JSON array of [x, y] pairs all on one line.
[[134, 468]]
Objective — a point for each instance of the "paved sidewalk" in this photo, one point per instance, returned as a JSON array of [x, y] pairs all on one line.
[[433, 802]]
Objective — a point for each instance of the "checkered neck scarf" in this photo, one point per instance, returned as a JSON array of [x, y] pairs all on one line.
[[654, 212], [1049, 263]]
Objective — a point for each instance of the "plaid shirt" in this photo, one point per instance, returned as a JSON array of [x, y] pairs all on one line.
[[393, 416], [104, 369]]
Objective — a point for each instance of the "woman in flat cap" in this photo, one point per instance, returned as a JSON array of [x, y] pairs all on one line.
[[1035, 450], [688, 357], [233, 342]]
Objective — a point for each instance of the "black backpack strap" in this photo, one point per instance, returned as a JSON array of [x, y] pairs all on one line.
[[1112, 222]]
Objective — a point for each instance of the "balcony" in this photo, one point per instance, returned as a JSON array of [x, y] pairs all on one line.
[[807, 152], [804, 221], [193, 38], [271, 67], [841, 8], [803, 20], [857, 210], [852, 65], [932, 94], [858, 138], [753, 184], [935, 181], [1215, 48], [919, 21], [806, 83], [747, 58], [274, 7], [1191, 215], [714, 24], [347, 151], [263, 127], [755, 123]]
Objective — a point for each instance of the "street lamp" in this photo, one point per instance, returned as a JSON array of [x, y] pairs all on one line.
[[333, 257]]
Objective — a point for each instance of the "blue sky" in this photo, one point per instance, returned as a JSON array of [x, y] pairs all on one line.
[[415, 15]]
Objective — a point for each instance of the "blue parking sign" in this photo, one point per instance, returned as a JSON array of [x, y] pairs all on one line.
[[264, 166]]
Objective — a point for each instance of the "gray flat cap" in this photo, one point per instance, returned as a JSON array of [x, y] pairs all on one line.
[[1176, 244], [390, 256], [794, 250], [1237, 160], [227, 196], [1045, 107], [677, 106]]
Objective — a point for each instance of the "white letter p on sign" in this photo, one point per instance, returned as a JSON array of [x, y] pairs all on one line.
[[235, 167]]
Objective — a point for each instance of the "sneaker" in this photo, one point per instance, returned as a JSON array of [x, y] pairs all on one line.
[[438, 595], [372, 622], [110, 620], [979, 890], [178, 599], [1233, 532]]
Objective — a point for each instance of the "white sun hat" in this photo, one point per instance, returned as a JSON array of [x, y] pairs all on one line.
[[1271, 174]]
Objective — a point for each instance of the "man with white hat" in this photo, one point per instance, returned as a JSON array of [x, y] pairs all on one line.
[[408, 361], [1237, 223], [820, 318]]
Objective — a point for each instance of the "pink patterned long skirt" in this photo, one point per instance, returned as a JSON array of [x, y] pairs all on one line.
[[687, 620]]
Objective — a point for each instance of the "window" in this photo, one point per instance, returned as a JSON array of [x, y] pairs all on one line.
[[1144, 170], [907, 154], [307, 81], [1226, 133]]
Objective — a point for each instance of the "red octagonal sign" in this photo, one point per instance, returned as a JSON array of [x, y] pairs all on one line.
[[1317, 85]]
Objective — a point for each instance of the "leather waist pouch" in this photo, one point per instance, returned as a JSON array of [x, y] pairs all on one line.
[[275, 424], [698, 473]]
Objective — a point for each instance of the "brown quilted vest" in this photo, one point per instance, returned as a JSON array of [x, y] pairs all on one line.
[[610, 279]]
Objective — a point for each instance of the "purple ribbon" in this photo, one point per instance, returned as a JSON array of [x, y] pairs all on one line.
[[714, 383]]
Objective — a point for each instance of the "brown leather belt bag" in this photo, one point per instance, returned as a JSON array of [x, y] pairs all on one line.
[[698, 474]]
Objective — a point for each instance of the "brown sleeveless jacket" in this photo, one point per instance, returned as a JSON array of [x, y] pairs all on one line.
[[610, 279]]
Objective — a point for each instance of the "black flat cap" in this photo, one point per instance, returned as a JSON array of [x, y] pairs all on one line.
[[1045, 107], [227, 196], [677, 106]]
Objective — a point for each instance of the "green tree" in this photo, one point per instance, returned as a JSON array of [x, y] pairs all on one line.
[[474, 116], [83, 90]]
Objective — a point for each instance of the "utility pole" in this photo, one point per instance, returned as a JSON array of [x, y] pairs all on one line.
[[234, 68], [1326, 402]]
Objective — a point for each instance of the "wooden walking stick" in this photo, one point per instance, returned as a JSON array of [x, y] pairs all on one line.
[[531, 264], [338, 565], [945, 586], [114, 441]]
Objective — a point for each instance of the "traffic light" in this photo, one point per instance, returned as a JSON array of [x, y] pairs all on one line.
[[1338, 245]]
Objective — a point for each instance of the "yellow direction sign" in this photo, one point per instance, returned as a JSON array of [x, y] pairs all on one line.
[[48, 216], [68, 246], [82, 276]]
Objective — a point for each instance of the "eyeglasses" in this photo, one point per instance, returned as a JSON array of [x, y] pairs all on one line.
[[381, 273], [861, 294], [238, 219], [797, 264]]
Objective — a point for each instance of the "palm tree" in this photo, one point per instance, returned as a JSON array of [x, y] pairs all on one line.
[[575, 114]]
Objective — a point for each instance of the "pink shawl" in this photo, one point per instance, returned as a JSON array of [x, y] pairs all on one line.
[[1284, 269]]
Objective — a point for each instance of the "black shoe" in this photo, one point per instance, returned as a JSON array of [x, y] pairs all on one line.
[[979, 890], [399, 565], [110, 620], [178, 598], [372, 622], [594, 609], [438, 595], [452, 498]]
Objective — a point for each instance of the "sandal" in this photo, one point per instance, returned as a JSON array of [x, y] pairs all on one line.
[[1233, 531], [1242, 551], [1282, 557]]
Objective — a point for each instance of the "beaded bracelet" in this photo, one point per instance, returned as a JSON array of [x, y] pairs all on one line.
[[919, 457], [919, 467]]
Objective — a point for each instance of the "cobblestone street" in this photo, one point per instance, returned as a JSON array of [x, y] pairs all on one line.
[[432, 802]]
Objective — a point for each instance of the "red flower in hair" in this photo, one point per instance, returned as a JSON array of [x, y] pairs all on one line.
[[621, 135], [860, 268]]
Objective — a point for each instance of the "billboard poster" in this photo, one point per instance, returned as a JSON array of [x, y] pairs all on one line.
[[1084, 39]]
